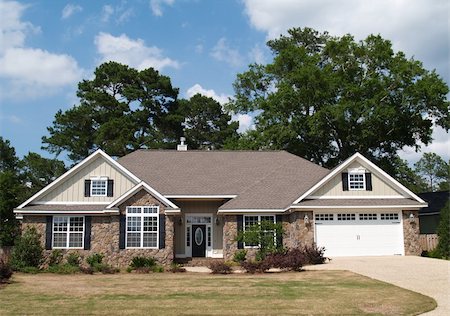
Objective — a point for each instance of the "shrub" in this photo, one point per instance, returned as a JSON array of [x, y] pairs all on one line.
[[106, 269], [176, 267], [27, 251], [63, 269], [292, 259], [141, 262], [55, 257], [73, 259], [255, 266], [158, 269], [5, 271], [95, 260], [314, 255], [240, 255], [31, 270], [86, 270], [443, 231], [220, 268]]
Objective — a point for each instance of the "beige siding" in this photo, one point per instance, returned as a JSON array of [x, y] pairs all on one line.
[[194, 206], [334, 187], [72, 189]]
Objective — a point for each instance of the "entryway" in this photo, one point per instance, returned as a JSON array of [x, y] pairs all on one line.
[[199, 235], [199, 244]]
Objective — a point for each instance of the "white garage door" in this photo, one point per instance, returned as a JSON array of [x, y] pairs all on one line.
[[359, 234]]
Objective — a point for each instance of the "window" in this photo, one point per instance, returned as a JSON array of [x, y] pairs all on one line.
[[68, 232], [389, 216], [142, 226], [346, 217], [356, 180], [250, 220], [208, 229], [324, 217], [99, 187], [367, 217]]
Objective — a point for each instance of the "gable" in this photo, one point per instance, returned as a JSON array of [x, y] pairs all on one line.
[[334, 187]]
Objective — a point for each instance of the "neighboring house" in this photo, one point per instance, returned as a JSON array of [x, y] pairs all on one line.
[[193, 203], [430, 216]]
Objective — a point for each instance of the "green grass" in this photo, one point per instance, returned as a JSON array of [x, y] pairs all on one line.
[[314, 292]]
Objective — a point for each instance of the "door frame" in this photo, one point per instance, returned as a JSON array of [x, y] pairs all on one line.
[[209, 235]]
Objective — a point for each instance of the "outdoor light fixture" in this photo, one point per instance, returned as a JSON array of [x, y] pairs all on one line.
[[180, 221], [306, 219], [217, 221], [411, 217]]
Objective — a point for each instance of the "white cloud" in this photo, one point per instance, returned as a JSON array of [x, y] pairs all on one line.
[[419, 28], [27, 72], [223, 52], [70, 9], [107, 11], [125, 15], [245, 122], [131, 52], [156, 6], [257, 55], [221, 98]]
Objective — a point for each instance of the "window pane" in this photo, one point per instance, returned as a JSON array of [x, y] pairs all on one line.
[[59, 240], [60, 223], [133, 239], [356, 181], [133, 224], [98, 187], [250, 221], [134, 210], [269, 218], [150, 224], [150, 240], [150, 209], [76, 240], [76, 224]]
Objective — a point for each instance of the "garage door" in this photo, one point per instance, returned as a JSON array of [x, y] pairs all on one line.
[[359, 234]]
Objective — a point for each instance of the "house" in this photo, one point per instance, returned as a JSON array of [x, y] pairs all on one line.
[[430, 216], [182, 204]]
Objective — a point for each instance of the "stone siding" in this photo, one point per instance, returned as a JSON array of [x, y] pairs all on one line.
[[105, 235], [411, 233], [229, 237], [296, 232]]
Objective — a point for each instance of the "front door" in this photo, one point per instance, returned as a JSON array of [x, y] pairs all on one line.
[[199, 243]]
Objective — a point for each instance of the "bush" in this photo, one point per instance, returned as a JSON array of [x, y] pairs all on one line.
[[292, 259], [442, 250], [96, 264], [55, 257], [73, 259], [95, 260], [220, 268], [255, 266], [176, 267], [63, 269], [240, 255], [31, 270], [27, 251], [86, 270], [5, 271], [141, 262], [314, 255], [106, 269]]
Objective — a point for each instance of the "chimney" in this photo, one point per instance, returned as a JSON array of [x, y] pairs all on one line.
[[182, 146]]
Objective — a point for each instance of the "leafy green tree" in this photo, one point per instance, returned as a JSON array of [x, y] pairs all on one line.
[[206, 125], [27, 251], [325, 98], [445, 184], [407, 176], [443, 247], [121, 109], [433, 168]]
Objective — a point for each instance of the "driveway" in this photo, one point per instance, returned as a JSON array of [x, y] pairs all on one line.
[[427, 276]]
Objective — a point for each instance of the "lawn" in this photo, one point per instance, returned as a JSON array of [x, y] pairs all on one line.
[[312, 292]]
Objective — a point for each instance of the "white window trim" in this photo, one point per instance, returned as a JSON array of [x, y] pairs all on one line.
[[67, 232], [142, 215], [357, 172], [188, 249], [259, 221], [99, 179]]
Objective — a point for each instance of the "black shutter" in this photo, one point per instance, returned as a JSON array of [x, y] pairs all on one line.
[[110, 188], [368, 181], [87, 187], [162, 231], [122, 232], [48, 233], [240, 228], [87, 232], [279, 220], [344, 181]]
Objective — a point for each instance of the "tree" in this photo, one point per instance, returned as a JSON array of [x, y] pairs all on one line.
[[443, 247], [121, 109], [206, 125], [325, 98], [407, 176], [433, 168]]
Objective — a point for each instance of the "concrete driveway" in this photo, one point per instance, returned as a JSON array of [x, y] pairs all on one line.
[[427, 276]]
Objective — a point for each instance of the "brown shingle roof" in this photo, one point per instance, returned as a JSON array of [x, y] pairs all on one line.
[[261, 179], [359, 202], [64, 207]]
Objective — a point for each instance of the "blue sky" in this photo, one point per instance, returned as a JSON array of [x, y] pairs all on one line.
[[47, 47]]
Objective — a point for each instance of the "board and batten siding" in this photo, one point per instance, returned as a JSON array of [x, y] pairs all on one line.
[[334, 187], [72, 189]]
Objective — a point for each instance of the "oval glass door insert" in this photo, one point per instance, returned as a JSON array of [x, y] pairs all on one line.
[[198, 236]]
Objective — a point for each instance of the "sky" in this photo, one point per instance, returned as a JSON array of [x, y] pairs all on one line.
[[47, 47]]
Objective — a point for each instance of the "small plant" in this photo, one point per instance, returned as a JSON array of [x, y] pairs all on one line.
[[176, 267], [73, 259], [220, 268], [158, 269], [55, 257], [95, 260], [292, 259], [5, 271], [315, 255], [86, 270], [63, 269], [30, 270], [240, 255], [27, 251], [129, 269], [107, 269], [255, 266], [141, 262]]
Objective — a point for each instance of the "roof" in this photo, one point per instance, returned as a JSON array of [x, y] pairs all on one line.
[[260, 179], [436, 201], [64, 207], [360, 202]]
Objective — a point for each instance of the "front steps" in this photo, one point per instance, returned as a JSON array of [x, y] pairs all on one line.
[[197, 262]]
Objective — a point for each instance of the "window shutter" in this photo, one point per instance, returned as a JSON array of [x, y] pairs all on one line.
[[87, 188], [122, 232], [279, 220], [87, 232], [368, 181], [110, 188], [344, 181], [162, 231], [48, 233], [240, 227]]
